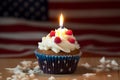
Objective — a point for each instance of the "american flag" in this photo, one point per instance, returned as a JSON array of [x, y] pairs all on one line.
[[95, 24]]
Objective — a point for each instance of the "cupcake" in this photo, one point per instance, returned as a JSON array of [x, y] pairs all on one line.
[[58, 52]]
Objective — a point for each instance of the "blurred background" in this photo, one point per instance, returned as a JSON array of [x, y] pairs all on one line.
[[95, 24]]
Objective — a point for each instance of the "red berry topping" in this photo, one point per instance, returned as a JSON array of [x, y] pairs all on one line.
[[57, 40], [69, 32], [71, 40], [52, 33]]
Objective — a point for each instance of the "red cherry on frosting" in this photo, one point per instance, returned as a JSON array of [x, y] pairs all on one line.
[[57, 40], [52, 33], [69, 32], [71, 40]]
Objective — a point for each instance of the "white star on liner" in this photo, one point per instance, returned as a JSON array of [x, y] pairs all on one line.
[[58, 62], [61, 70], [45, 62], [69, 69], [49, 69], [66, 64], [43, 66], [75, 60], [64, 61], [53, 64]]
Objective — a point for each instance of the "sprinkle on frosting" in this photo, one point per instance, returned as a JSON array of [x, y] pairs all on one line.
[[57, 40], [69, 32], [71, 40], [52, 33]]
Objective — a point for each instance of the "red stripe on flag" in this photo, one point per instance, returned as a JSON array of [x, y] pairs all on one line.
[[6, 51], [22, 28], [97, 20], [108, 33], [24, 42], [84, 5], [28, 28]]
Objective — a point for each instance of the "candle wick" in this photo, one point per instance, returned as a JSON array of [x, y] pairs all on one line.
[[61, 27]]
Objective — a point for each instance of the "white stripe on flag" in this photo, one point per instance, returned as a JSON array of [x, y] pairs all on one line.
[[38, 35], [16, 47], [23, 35], [82, 0], [92, 47]]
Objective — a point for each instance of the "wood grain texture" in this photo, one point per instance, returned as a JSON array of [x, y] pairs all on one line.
[[115, 75]]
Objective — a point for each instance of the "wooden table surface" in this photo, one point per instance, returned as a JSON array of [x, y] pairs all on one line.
[[78, 75]]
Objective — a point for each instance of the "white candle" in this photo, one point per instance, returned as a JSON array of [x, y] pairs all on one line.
[[60, 29], [61, 20]]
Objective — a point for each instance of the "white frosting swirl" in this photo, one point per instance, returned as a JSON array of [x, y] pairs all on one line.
[[65, 46]]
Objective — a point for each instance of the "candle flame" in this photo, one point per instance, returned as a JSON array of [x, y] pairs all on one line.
[[61, 20]]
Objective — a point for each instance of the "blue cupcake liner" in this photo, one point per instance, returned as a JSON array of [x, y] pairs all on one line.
[[54, 64]]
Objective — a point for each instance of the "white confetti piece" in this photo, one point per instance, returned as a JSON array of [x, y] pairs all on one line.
[[86, 65], [102, 60], [109, 75], [88, 74], [51, 78], [32, 75], [35, 79], [24, 71], [114, 63], [106, 65], [0, 77], [74, 79]]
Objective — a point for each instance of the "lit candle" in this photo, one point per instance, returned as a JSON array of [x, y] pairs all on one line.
[[61, 20], [60, 30]]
